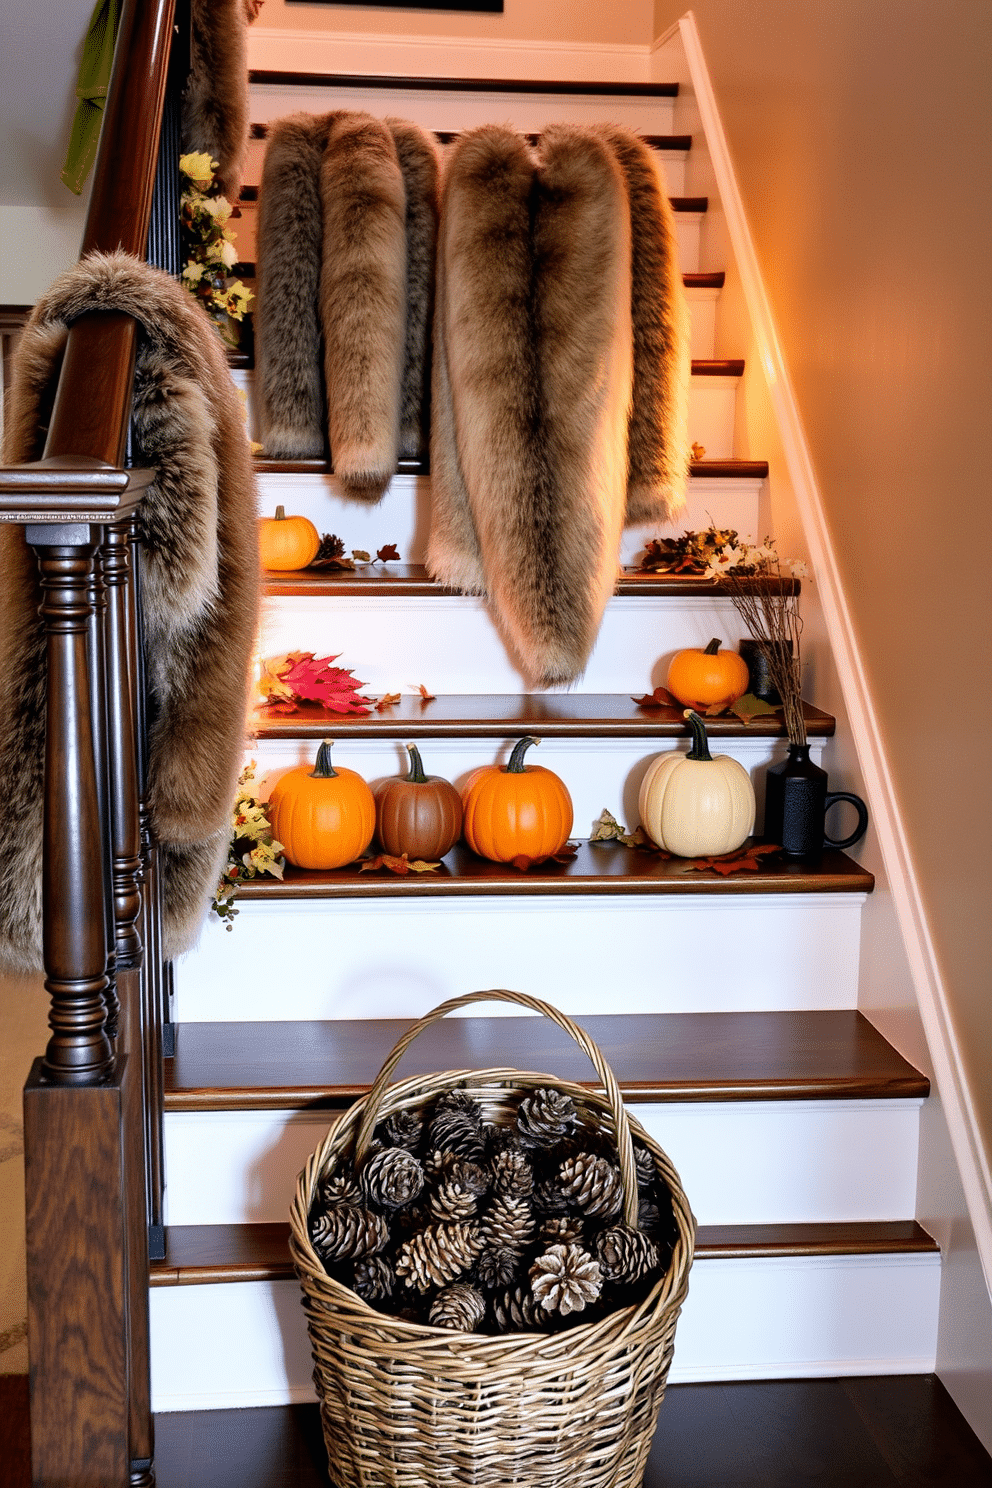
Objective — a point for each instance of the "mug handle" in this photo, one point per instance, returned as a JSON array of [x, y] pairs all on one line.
[[862, 811]]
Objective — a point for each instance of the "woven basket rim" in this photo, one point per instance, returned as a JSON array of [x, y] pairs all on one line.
[[668, 1292]]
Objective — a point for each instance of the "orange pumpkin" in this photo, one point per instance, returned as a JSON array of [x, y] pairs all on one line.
[[708, 678], [287, 543], [516, 810], [323, 817], [417, 814]]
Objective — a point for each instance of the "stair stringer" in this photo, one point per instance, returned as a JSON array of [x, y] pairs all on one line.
[[898, 951]]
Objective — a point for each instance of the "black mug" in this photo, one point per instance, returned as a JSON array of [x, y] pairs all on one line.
[[796, 804], [759, 673]]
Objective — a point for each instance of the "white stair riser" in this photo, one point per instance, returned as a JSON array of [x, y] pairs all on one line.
[[397, 958], [712, 403], [598, 772], [703, 311], [450, 644], [530, 112], [224, 1346], [760, 1162], [403, 515]]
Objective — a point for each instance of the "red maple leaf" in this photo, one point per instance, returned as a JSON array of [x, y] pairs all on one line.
[[388, 554], [313, 679]]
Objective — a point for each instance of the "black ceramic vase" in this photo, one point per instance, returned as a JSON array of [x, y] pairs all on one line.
[[797, 801]]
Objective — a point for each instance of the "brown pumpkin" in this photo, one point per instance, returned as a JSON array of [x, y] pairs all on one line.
[[287, 543], [708, 678], [516, 810], [417, 814], [324, 817]]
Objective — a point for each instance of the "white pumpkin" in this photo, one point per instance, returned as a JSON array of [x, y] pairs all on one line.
[[694, 805]]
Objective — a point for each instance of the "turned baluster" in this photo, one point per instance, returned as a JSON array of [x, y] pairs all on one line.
[[126, 826]]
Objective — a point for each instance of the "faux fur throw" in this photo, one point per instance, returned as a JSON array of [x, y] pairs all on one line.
[[346, 239], [200, 585], [553, 423], [215, 103]]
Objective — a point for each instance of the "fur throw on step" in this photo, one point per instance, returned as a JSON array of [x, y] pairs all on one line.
[[215, 103], [346, 241], [200, 585], [559, 382], [533, 385]]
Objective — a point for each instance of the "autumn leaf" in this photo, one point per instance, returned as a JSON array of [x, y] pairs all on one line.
[[660, 698], [745, 860], [749, 706], [564, 855], [271, 684], [360, 555], [388, 554], [388, 700], [401, 865], [314, 679], [425, 696], [606, 828]]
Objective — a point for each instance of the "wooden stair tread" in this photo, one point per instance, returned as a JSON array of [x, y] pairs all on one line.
[[886, 1431], [676, 142], [198, 1255], [409, 579], [569, 715], [598, 868], [833, 1055], [285, 78]]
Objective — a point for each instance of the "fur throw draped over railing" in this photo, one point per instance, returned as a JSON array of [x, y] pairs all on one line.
[[347, 227], [199, 585], [560, 379]]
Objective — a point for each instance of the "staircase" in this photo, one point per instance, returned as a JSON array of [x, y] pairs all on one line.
[[728, 1008]]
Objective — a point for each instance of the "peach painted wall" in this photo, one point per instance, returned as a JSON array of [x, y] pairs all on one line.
[[862, 141], [625, 22]]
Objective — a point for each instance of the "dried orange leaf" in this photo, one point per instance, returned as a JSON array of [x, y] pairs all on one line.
[[427, 697], [388, 700]]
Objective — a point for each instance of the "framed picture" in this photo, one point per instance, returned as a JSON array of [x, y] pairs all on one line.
[[493, 7]]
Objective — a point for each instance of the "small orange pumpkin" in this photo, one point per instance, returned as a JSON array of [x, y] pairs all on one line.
[[417, 814], [708, 678], [287, 543], [323, 817], [516, 810]]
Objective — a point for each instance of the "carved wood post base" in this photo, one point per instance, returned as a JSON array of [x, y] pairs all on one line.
[[76, 1175]]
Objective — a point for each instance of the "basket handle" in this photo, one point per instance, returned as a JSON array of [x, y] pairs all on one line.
[[625, 1146]]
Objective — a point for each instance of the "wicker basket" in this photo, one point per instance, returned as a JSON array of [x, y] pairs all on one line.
[[409, 1406]]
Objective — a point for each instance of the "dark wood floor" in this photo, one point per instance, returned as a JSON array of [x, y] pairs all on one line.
[[888, 1432]]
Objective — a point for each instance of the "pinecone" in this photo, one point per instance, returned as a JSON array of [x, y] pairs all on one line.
[[339, 1188], [473, 1176], [644, 1163], [545, 1117], [512, 1174], [392, 1178], [565, 1279], [348, 1231], [497, 1266], [509, 1222], [330, 547], [516, 1310], [403, 1129], [459, 1307], [374, 1278], [438, 1254], [593, 1184], [648, 1217], [625, 1255], [562, 1229], [548, 1199], [452, 1200], [457, 1126]]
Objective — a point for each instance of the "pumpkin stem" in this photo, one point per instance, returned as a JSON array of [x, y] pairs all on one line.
[[516, 765], [713, 647], [280, 514], [323, 769], [416, 775], [700, 744]]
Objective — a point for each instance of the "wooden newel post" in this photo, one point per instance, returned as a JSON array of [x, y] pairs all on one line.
[[76, 1168], [74, 877]]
